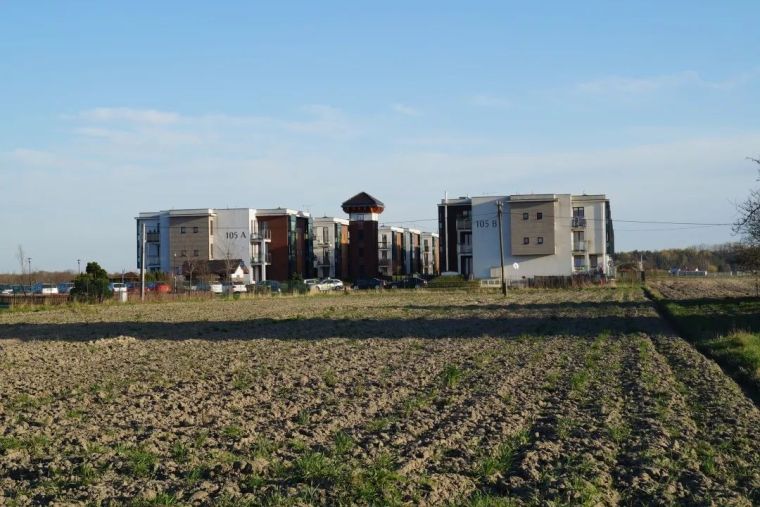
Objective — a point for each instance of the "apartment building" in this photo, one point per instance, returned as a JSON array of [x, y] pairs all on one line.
[[544, 235], [391, 251], [273, 243], [330, 247], [429, 252]]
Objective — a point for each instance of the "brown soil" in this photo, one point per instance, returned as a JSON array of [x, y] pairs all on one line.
[[572, 397]]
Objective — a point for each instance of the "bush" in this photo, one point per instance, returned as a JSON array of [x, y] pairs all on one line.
[[92, 285]]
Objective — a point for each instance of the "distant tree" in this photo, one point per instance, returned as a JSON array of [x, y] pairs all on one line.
[[748, 223], [21, 258], [748, 258], [92, 285]]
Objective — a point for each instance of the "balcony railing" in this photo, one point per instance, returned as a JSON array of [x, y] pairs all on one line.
[[464, 223], [323, 261], [579, 246], [261, 235], [262, 259], [580, 269], [152, 237], [152, 260], [385, 262], [465, 249], [577, 222]]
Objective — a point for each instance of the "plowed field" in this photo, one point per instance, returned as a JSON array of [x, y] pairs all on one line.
[[580, 397]]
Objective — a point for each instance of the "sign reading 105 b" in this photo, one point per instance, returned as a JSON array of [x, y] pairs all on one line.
[[487, 224]]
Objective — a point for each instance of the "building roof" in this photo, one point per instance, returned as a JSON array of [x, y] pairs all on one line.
[[216, 267], [363, 200]]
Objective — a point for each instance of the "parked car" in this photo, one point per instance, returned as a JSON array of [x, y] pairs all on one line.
[[65, 287], [369, 283], [162, 287], [235, 287], [330, 284], [311, 281], [268, 286], [117, 287], [216, 287], [414, 282], [6, 290], [45, 288]]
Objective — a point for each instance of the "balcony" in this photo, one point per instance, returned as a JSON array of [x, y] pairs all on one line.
[[258, 260], [261, 235], [465, 249], [152, 237], [152, 260], [579, 246], [464, 224], [578, 223], [385, 262], [322, 261], [581, 268]]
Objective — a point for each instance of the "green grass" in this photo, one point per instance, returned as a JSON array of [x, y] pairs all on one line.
[[451, 375], [140, 462], [727, 330]]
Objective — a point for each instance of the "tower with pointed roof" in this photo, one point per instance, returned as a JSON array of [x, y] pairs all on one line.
[[363, 215]]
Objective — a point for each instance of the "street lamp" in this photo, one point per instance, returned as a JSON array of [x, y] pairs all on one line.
[[29, 263], [79, 265]]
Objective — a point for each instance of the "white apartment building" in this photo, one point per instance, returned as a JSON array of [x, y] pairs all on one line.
[[176, 237], [330, 247], [429, 252], [543, 234]]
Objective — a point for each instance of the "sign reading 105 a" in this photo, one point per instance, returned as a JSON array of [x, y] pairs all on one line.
[[235, 235], [487, 224]]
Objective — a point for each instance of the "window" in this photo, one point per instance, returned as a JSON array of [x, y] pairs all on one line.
[[361, 252], [360, 235], [195, 253], [526, 241], [539, 216], [525, 216], [211, 229], [182, 230], [212, 251], [579, 212], [183, 253], [540, 240], [195, 230]]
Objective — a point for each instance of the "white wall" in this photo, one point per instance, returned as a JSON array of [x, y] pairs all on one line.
[[232, 236], [485, 243]]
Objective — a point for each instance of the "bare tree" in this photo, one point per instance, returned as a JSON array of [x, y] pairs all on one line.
[[21, 258], [748, 223], [227, 247]]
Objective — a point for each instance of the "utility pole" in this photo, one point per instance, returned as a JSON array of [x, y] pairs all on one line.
[[29, 263], [142, 263], [79, 266], [499, 211]]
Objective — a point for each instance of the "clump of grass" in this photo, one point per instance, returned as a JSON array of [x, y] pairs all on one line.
[[378, 483], [140, 462], [380, 424], [303, 417], [315, 468], [503, 457], [180, 452], [579, 381], [242, 380], [197, 474], [233, 431], [330, 378], [263, 447], [86, 473], [619, 433], [451, 375], [342, 443]]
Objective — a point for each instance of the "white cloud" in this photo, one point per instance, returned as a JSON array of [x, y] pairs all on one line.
[[642, 85], [125, 114], [490, 101], [405, 109]]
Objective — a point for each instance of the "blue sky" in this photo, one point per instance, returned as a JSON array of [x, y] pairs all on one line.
[[113, 109]]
